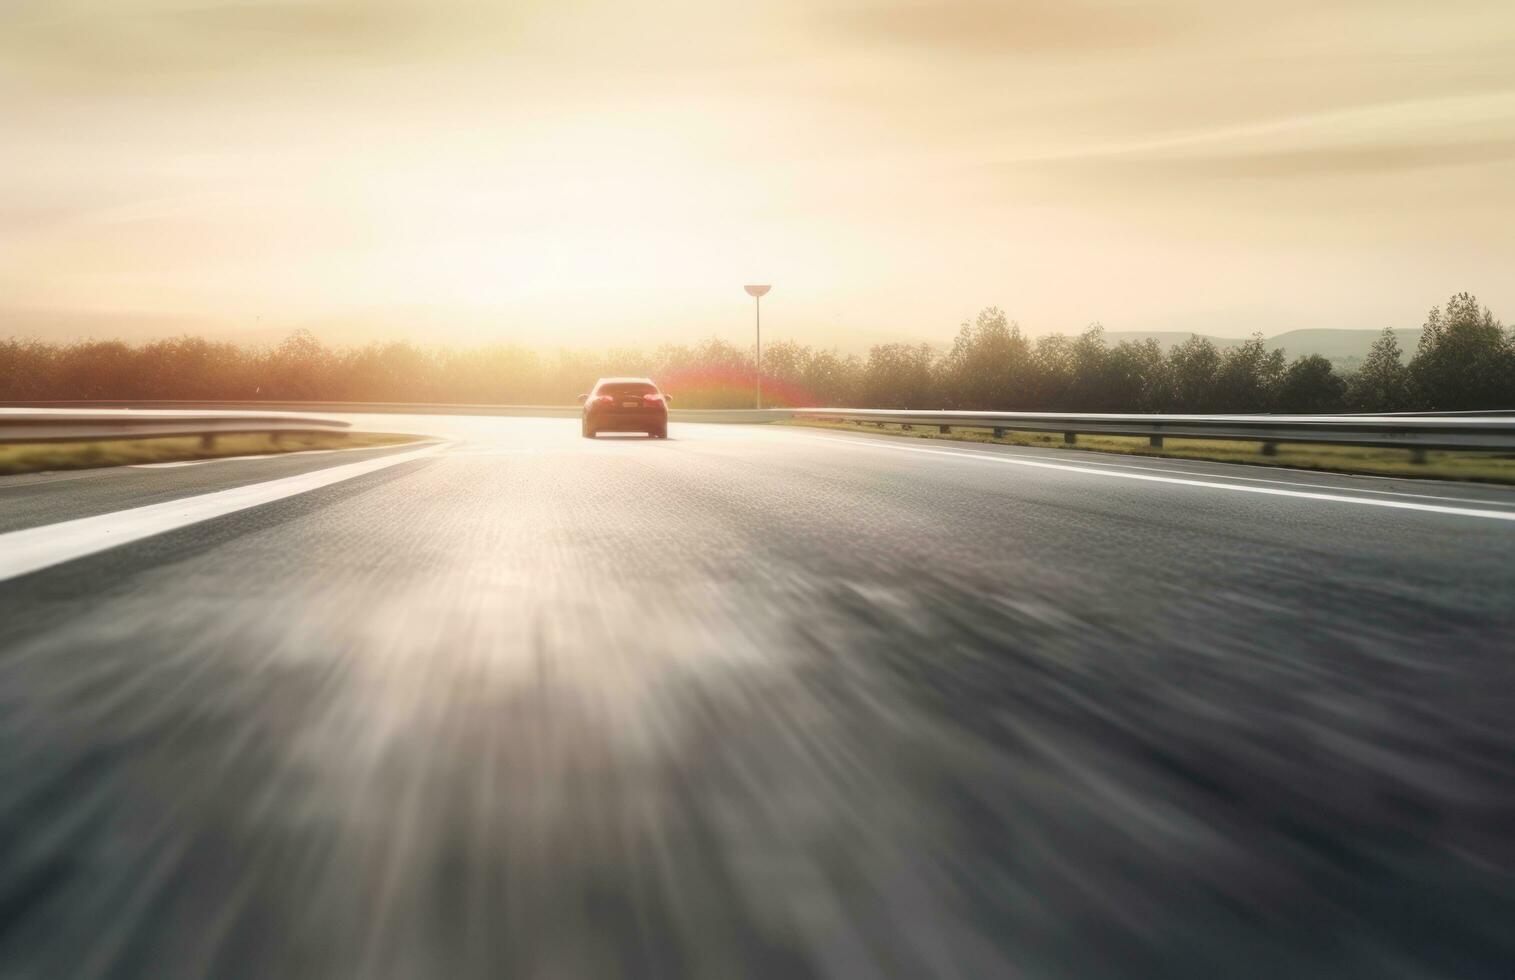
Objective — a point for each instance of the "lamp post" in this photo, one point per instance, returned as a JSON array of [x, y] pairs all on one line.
[[757, 293]]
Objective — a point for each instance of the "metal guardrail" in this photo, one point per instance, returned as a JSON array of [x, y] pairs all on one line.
[[1491, 432], [739, 415], [742, 415], [339, 408], [67, 425], [1487, 432]]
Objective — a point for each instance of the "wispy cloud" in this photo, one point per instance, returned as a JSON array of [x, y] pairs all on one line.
[[145, 41], [1299, 164], [1378, 138], [1047, 28]]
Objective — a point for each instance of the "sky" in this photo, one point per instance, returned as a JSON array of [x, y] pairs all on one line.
[[595, 172]]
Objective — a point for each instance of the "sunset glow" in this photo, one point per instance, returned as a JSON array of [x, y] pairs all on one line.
[[583, 173]]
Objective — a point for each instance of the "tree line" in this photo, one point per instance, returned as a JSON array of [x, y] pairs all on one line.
[[1465, 360]]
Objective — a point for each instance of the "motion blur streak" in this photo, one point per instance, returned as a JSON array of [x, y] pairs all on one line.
[[741, 704]]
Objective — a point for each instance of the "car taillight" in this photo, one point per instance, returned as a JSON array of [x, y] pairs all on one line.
[[602, 400], [656, 399]]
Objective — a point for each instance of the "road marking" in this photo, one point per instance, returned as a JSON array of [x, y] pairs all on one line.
[[1207, 484], [232, 459], [1129, 462], [1023, 452], [1298, 483], [35, 548]]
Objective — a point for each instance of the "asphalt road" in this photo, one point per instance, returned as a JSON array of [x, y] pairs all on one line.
[[758, 702]]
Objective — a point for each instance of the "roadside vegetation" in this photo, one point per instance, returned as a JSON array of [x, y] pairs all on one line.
[[1465, 361], [1437, 465], [40, 457]]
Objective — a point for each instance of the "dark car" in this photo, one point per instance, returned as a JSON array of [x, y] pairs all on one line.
[[625, 405]]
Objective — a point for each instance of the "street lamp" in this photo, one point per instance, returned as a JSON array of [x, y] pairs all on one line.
[[757, 293]]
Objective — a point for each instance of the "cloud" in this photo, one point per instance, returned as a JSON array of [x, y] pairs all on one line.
[[1341, 161], [1377, 138], [136, 41], [340, 22], [1022, 27]]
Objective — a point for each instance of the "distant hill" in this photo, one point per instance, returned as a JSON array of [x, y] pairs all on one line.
[[1344, 348]]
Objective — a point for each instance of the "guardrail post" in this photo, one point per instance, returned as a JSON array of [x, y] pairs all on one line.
[[1156, 442], [1418, 454], [1069, 438], [999, 433], [1270, 449], [944, 429], [208, 441]]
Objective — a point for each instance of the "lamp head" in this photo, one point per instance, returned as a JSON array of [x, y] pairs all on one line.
[[757, 290]]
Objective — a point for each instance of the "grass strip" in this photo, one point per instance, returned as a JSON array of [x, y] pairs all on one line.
[[39, 457]]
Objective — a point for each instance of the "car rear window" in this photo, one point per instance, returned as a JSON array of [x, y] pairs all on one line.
[[627, 388]]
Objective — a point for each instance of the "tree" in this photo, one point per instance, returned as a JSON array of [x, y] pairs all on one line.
[[1140, 371], [1104, 380], [900, 376], [1464, 361], [1382, 383], [27, 370], [194, 368], [716, 374], [299, 369], [1311, 387], [1192, 369], [784, 364], [1249, 377], [100, 369], [1051, 381], [831, 379], [989, 364]]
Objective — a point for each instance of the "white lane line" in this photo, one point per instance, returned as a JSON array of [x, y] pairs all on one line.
[[230, 459], [1207, 484], [1141, 468], [34, 548]]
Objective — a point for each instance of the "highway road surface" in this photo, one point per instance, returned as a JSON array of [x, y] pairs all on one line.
[[752, 702]]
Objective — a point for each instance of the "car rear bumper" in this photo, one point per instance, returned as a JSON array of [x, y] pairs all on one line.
[[627, 421]]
